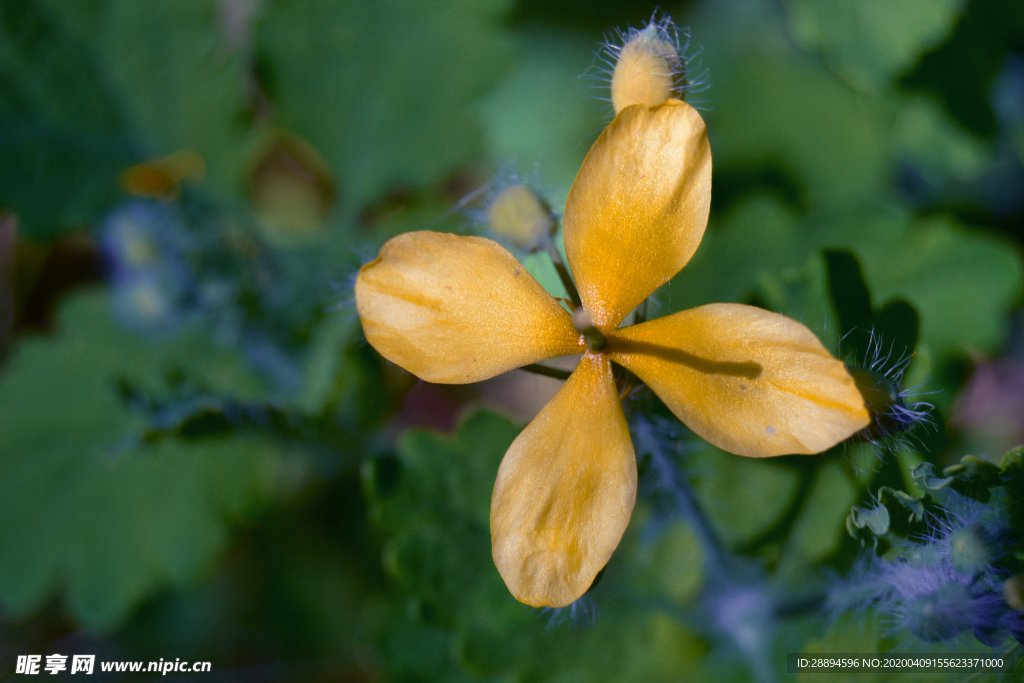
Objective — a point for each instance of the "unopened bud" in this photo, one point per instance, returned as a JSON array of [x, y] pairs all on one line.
[[1013, 591], [520, 216], [160, 178], [292, 189], [646, 70], [969, 549], [883, 399]]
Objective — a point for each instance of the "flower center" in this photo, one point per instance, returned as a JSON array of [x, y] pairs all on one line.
[[584, 324]]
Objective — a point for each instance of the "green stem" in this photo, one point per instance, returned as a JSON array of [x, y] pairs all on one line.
[[563, 274], [545, 371]]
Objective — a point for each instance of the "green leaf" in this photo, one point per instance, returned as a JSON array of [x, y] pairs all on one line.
[[182, 82], [85, 505], [862, 328], [435, 501], [432, 501], [871, 41], [960, 283], [874, 519], [333, 372], [50, 73], [778, 112], [894, 513], [817, 532], [60, 127], [767, 490], [383, 90], [759, 239], [924, 476], [974, 472], [850, 297], [938, 146], [541, 117], [57, 179], [673, 564], [86, 90]]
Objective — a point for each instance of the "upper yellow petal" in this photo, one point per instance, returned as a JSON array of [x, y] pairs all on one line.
[[457, 309], [749, 381], [565, 491], [638, 208]]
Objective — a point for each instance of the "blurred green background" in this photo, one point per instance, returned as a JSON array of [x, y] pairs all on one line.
[[200, 456]]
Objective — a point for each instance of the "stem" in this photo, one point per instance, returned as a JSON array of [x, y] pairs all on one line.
[[563, 274], [690, 509], [545, 371], [795, 607], [685, 503]]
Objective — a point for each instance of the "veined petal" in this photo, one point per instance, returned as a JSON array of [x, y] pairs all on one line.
[[565, 491], [749, 381], [455, 309], [638, 208]]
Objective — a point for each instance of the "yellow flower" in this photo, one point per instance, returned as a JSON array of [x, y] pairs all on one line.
[[457, 309]]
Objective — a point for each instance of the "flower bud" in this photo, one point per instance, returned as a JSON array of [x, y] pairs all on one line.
[[969, 549], [520, 216], [293, 190], [161, 178], [884, 399], [1013, 591], [646, 70]]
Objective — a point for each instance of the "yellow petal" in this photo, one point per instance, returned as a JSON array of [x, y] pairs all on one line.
[[749, 381], [455, 309], [565, 491], [638, 208]]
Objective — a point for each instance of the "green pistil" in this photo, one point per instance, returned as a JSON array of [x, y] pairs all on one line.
[[584, 324]]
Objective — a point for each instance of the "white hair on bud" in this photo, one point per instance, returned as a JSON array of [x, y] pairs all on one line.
[[682, 68], [477, 206]]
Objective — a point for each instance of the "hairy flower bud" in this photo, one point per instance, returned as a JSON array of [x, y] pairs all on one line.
[[646, 70], [884, 397], [1013, 591], [520, 216], [969, 549]]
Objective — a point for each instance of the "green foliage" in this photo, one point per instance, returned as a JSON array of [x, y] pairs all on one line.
[[767, 486], [87, 505], [804, 163], [893, 511], [518, 117], [816, 533], [181, 82], [902, 258], [859, 323], [89, 89], [382, 90], [780, 113], [870, 42], [973, 477], [60, 130], [459, 622], [847, 196], [941, 570]]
